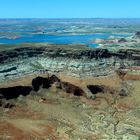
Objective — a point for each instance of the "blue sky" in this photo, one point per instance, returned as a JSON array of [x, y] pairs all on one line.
[[69, 8]]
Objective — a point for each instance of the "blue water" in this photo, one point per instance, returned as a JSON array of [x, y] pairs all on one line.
[[60, 39]]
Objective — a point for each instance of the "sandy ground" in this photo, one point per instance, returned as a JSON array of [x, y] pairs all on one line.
[[55, 115]]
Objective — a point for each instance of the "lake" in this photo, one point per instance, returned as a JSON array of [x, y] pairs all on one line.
[[60, 39]]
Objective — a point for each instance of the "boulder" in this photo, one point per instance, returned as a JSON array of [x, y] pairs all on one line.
[[70, 88]]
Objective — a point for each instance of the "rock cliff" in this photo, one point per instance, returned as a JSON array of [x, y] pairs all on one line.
[[69, 61]]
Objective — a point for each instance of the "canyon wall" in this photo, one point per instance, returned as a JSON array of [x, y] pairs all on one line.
[[72, 62]]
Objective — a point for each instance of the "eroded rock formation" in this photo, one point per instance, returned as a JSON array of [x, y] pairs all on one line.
[[95, 89], [72, 62], [14, 92], [70, 88], [40, 82], [55, 80]]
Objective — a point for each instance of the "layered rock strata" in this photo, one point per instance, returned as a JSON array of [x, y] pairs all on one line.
[[72, 62]]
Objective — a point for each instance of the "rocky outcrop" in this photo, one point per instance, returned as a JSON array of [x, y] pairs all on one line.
[[22, 53], [95, 89], [70, 88], [14, 92], [128, 54], [68, 61], [40, 82], [54, 79], [12, 55]]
